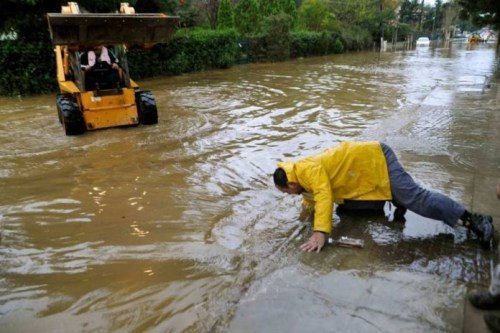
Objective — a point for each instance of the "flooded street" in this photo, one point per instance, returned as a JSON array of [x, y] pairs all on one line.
[[178, 227]]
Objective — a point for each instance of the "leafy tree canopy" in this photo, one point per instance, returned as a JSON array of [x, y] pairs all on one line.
[[482, 12], [225, 17], [247, 17], [314, 15]]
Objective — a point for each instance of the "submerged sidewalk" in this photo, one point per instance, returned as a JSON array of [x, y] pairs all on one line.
[[486, 176]]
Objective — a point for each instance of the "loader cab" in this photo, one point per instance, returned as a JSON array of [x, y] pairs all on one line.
[[102, 75]]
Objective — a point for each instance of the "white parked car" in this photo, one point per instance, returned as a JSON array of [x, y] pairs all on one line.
[[423, 41]]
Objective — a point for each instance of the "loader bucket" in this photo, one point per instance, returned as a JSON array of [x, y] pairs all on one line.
[[104, 29]]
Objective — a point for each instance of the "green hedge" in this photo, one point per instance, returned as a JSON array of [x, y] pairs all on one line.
[[188, 51], [26, 68], [311, 43], [356, 38], [300, 44], [29, 68]]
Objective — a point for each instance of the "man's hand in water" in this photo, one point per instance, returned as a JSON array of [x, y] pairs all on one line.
[[315, 243]]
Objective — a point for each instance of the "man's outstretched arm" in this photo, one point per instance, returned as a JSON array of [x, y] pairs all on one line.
[[317, 180]]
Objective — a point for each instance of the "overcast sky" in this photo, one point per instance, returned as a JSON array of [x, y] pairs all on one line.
[[432, 2]]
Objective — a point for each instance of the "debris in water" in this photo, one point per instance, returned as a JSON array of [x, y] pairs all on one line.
[[347, 242]]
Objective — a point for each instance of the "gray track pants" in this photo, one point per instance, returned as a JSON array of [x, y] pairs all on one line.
[[408, 194]]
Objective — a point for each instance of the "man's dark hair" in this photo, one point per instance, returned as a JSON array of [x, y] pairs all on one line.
[[280, 178]]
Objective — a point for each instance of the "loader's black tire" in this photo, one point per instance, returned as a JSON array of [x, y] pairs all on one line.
[[59, 98], [70, 115], [146, 107]]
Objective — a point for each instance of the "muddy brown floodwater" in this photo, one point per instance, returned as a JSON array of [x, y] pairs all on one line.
[[177, 227]]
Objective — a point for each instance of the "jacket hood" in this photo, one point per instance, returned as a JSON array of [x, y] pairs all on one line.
[[289, 168]]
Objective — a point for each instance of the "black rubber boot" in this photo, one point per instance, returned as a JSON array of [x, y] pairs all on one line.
[[399, 213], [493, 322], [482, 226], [484, 300]]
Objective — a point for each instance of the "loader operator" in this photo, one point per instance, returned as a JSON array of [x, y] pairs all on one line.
[[101, 69], [367, 171]]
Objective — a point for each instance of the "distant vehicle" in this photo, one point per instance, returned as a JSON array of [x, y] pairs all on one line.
[[423, 41], [474, 38]]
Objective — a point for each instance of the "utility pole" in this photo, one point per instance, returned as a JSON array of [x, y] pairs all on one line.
[[433, 23], [420, 23], [381, 25]]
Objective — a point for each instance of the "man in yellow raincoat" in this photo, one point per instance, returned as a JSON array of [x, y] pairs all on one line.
[[367, 171]]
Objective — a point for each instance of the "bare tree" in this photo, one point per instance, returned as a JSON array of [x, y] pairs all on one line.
[[211, 7], [451, 13]]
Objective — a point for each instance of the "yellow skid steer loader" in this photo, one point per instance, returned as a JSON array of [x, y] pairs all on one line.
[[96, 90]]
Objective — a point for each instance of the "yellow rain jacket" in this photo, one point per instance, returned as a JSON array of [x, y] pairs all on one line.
[[351, 170]]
